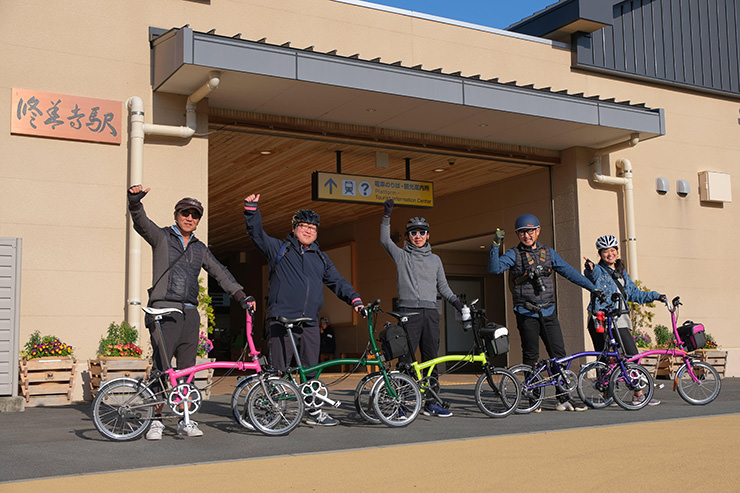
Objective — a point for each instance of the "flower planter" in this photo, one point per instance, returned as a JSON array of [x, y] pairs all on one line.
[[715, 357], [47, 381], [204, 379], [110, 367]]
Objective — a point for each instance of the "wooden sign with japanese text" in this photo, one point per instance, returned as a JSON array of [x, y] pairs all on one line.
[[371, 189], [61, 116]]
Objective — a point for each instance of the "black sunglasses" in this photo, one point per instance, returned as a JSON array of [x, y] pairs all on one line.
[[190, 212]]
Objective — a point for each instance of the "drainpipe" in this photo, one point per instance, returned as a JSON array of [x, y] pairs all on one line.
[[629, 200], [139, 130]]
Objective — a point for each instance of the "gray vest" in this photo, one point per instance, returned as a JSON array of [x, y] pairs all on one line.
[[530, 278]]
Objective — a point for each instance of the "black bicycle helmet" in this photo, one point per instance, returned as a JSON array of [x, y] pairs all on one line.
[[417, 223], [606, 241], [306, 216]]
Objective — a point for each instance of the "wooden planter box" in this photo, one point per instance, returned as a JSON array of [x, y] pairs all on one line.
[[715, 357], [110, 367], [204, 379], [47, 381], [651, 363]]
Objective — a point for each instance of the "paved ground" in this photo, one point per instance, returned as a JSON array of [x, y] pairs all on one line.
[[608, 449]]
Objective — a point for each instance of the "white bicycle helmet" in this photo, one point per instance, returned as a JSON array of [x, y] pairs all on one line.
[[607, 241]]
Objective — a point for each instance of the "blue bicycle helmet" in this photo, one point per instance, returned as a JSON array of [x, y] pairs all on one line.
[[526, 221]]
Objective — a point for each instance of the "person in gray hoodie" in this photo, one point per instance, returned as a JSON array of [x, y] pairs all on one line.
[[419, 276]]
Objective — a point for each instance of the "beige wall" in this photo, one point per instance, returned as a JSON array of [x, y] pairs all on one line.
[[66, 199]]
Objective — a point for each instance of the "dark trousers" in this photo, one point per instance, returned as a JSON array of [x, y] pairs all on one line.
[[423, 329], [531, 330], [622, 334], [281, 350], [180, 333]]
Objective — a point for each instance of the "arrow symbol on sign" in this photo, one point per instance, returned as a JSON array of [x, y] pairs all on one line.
[[330, 183]]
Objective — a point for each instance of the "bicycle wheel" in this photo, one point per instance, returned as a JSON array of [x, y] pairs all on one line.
[[123, 409], [275, 406], [402, 409], [702, 392], [499, 400], [533, 389], [239, 401], [364, 397], [593, 385], [625, 386]]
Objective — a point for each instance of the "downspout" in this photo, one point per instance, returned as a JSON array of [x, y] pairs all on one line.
[[629, 198], [139, 130]]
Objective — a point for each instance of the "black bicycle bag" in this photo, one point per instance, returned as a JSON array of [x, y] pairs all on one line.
[[496, 338], [393, 342], [692, 335]]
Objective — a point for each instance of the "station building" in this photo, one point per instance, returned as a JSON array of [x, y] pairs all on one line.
[[600, 117]]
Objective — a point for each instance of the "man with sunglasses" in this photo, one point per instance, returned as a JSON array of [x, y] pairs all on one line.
[[177, 258], [419, 277], [298, 272], [531, 269]]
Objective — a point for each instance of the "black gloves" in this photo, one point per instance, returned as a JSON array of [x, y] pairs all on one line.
[[458, 305], [498, 236], [250, 206], [135, 198], [388, 207], [662, 298], [244, 300]]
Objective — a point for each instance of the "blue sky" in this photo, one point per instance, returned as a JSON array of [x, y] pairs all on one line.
[[490, 13]]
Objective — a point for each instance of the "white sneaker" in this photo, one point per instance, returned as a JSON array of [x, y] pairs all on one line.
[[155, 430], [191, 429], [564, 406]]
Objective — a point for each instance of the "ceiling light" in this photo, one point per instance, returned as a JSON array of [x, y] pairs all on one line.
[[438, 170], [265, 152], [370, 110], [482, 125]]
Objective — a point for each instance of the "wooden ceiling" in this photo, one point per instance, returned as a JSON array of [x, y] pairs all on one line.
[[238, 167]]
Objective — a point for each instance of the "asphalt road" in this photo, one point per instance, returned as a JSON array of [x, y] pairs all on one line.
[[62, 442]]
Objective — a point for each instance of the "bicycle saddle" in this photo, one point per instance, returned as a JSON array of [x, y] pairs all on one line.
[[400, 315], [293, 321], [160, 311]]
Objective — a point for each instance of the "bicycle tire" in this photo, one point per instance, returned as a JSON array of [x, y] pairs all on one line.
[[239, 401], [593, 385], [275, 406], [703, 392], [503, 398], [123, 409], [364, 397], [401, 410], [622, 388], [532, 389]]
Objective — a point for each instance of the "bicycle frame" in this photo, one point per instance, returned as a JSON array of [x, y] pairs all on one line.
[[672, 351]]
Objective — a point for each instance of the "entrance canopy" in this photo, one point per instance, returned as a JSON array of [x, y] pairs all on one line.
[[281, 80], [301, 107]]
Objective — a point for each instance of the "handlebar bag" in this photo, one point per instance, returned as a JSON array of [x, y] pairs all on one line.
[[496, 338], [692, 335], [393, 342]]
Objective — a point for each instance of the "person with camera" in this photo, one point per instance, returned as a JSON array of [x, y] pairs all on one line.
[[531, 269], [298, 272], [177, 258], [419, 277], [611, 278]]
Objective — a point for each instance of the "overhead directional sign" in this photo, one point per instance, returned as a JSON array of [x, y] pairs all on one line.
[[371, 189]]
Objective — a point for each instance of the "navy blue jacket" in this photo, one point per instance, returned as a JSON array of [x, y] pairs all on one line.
[[296, 281]]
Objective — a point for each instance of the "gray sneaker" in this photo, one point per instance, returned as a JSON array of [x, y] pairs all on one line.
[[155, 430], [321, 418], [191, 429]]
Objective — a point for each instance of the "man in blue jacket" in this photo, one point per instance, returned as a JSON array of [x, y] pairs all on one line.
[[298, 271], [531, 280]]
